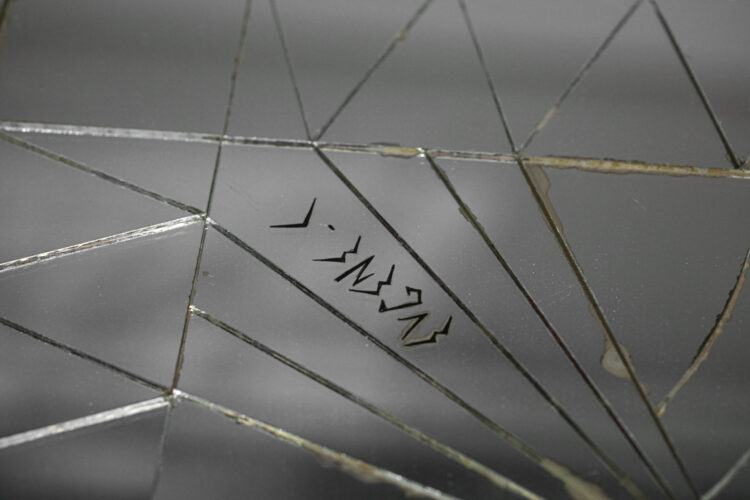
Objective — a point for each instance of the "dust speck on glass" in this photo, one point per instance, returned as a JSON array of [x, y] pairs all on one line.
[[432, 248]]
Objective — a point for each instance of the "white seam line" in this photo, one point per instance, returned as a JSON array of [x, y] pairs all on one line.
[[82, 422], [142, 232]]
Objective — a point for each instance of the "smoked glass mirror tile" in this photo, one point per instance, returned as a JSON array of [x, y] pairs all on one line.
[[432, 248], [636, 102], [412, 98], [174, 169], [715, 47], [533, 54], [123, 63], [104, 457]]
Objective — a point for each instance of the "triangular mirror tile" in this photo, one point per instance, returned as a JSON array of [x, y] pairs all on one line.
[[43, 385], [208, 455], [715, 400], [261, 387], [177, 170], [89, 63], [264, 103], [657, 260], [715, 41], [341, 38], [80, 208], [636, 103], [429, 92], [534, 49], [116, 459], [124, 303]]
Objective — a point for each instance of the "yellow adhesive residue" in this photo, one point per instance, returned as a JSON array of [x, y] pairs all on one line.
[[542, 184], [610, 360], [393, 149], [577, 488], [612, 363]]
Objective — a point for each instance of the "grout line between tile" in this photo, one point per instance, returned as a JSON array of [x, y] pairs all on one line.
[[598, 165]]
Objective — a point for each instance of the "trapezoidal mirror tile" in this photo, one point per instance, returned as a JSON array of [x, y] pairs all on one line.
[[214, 451], [81, 207], [636, 103], [44, 384], [534, 50], [124, 303], [715, 45], [107, 458], [179, 171], [115, 65], [429, 92]]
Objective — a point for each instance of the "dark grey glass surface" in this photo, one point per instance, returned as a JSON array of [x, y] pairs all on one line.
[[122, 64], [636, 103], [113, 460], [434, 248]]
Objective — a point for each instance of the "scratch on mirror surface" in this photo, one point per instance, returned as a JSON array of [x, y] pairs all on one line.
[[501, 432], [731, 473], [599, 165], [80, 423], [98, 173], [113, 239], [721, 320], [439, 447], [356, 468]]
